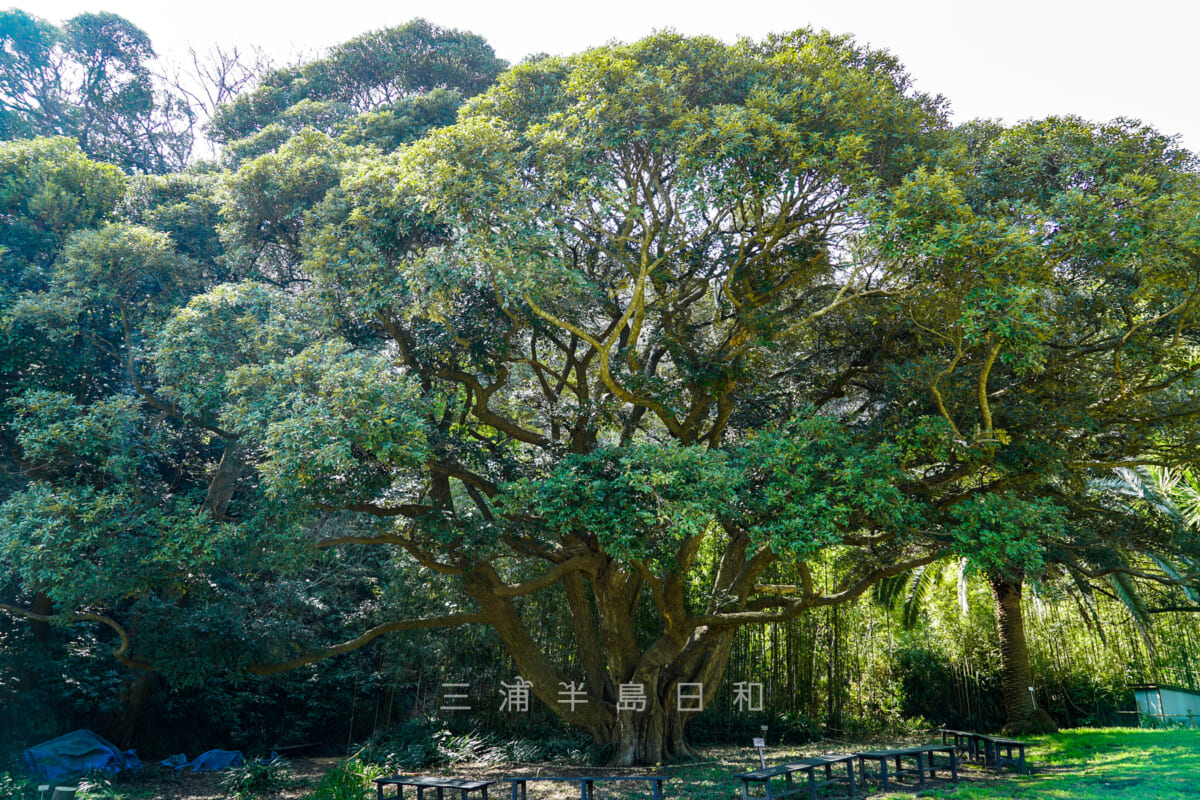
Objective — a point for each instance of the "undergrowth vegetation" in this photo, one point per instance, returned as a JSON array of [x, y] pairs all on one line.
[[424, 743]]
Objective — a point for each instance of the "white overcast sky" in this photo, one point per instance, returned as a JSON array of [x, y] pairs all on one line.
[[1010, 60]]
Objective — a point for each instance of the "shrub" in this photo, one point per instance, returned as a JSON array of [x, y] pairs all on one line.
[[255, 777], [348, 780], [97, 785], [15, 788]]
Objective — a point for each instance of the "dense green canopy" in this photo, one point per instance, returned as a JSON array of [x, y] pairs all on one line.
[[654, 327], [385, 87]]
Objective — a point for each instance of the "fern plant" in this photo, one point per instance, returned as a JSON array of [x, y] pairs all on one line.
[[350, 779]]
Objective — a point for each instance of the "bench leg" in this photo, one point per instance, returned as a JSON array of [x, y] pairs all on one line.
[[954, 765], [658, 790], [850, 777], [921, 769], [883, 781]]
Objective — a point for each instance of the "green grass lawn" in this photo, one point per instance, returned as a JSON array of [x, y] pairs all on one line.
[[1082, 764], [1099, 764]]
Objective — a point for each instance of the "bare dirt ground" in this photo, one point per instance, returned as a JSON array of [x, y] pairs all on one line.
[[161, 783], [710, 777]]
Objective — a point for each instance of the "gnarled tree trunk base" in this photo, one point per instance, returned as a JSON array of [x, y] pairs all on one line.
[[650, 737]]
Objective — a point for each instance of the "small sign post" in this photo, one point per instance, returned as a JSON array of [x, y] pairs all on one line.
[[760, 744]]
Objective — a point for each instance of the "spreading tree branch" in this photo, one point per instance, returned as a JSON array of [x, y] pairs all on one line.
[[121, 652], [366, 638]]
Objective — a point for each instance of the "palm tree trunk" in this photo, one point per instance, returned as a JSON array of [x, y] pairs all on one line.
[[1015, 671]]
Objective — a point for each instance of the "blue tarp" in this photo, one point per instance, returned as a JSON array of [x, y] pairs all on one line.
[[175, 761], [74, 754], [211, 760]]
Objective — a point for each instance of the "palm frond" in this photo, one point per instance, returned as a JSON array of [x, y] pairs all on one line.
[[924, 580], [887, 592], [1174, 573], [1187, 497], [962, 586], [1126, 591]]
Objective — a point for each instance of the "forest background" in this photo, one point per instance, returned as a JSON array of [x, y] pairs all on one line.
[[824, 386]]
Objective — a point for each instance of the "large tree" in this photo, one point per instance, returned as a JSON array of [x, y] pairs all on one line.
[[1058, 344], [601, 282]]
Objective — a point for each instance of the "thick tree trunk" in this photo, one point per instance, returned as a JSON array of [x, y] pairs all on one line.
[[610, 658], [648, 737], [223, 482], [125, 723], [40, 628], [1016, 673]]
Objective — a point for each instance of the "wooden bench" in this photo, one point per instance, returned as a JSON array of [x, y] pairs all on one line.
[[439, 785], [918, 754], [807, 766], [964, 741], [992, 745], [586, 783]]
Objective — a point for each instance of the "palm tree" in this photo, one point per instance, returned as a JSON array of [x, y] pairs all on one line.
[[1142, 529]]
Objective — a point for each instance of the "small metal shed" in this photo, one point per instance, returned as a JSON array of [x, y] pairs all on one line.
[[1167, 705]]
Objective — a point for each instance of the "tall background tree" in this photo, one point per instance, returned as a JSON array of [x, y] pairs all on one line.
[[93, 263], [90, 80], [386, 87], [1058, 346]]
